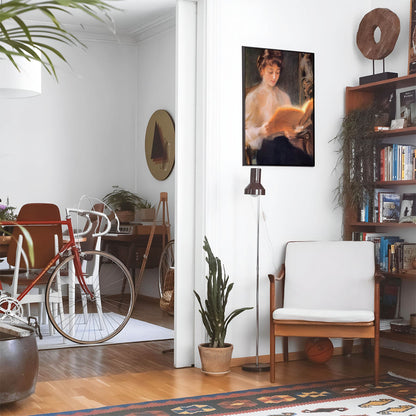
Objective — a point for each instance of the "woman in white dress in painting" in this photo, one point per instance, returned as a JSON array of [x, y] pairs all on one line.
[[260, 105]]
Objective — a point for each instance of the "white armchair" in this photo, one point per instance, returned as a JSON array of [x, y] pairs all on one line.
[[330, 289]]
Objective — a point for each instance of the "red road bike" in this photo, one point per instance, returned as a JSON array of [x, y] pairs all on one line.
[[89, 295]]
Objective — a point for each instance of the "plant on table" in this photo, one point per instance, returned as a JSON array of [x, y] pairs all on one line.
[[122, 200]]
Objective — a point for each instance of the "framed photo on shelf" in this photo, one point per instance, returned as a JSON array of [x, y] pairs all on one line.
[[278, 107], [408, 208], [412, 38], [406, 105]]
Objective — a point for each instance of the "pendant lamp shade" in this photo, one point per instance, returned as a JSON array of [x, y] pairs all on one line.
[[22, 83]]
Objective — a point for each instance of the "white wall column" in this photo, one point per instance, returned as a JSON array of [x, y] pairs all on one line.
[[185, 181]]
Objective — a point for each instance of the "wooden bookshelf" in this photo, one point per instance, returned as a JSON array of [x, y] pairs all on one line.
[[361, 97], [405, 275]]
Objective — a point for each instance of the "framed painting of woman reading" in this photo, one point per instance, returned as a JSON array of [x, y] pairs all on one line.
[[278, 107]]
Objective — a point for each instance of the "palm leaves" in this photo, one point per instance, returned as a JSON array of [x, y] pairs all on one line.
[[33, 41], [218, 290]]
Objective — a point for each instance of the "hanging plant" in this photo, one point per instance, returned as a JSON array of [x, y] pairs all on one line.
[[358, 156]]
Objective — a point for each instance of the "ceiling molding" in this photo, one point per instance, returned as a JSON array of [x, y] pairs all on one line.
[[160, 25]]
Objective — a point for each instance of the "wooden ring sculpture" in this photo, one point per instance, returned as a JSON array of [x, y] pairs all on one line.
[[389, 25]]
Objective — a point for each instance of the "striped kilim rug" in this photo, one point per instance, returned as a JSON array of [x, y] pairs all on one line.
[[349, 397]]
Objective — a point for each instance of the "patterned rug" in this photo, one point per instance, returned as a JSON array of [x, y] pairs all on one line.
[[348, 397]]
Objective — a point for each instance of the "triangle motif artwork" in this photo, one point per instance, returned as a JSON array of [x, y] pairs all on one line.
[[158, 154]]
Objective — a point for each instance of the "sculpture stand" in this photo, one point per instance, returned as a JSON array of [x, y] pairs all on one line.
[[378, 77]]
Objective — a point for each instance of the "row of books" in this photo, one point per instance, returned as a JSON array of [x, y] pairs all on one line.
[[392, 253], [388, 206], [397, 162]]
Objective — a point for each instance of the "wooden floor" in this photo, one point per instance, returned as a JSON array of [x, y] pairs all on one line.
[[88, 377]]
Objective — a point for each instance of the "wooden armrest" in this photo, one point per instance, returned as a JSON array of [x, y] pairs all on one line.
[[280, 275]]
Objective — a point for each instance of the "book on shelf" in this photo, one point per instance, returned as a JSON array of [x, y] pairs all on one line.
[[401, 255], [389, 207], [408, 208], [388, 259], [385, 257], [408, 256], [397, 162]]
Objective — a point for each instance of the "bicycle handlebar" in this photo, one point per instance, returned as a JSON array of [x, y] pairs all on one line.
[[87, 214]]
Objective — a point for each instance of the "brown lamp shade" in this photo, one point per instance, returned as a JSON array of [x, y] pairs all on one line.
[[255, 187]]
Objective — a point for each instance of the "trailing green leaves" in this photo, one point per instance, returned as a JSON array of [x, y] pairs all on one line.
[[357, 154], [33, 41], [212, 310]]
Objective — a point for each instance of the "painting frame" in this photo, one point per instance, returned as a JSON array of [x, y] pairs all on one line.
[[412, 38], [278, 99]]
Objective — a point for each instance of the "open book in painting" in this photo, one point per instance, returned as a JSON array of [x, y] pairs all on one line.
[[291, 119]]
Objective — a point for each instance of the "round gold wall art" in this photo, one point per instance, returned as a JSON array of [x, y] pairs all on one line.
[[160, 144], [389, 25]]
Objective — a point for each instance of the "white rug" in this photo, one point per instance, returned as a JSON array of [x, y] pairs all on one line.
[[134, 331]]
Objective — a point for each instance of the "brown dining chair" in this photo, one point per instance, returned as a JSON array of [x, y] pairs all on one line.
[[46, 240]]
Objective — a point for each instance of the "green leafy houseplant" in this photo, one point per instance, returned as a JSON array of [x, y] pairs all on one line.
[[122, 200], [213, 310], [357, 154], [33, 41]]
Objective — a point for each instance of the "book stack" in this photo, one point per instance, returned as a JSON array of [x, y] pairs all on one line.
[[392, 253], [388, 206], [397, 162]]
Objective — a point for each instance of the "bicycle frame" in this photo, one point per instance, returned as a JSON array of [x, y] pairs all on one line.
[[70, 245]]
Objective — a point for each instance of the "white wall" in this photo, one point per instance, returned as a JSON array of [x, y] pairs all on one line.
[[78, 136], [93, 121], [299, 201], [156, 91]]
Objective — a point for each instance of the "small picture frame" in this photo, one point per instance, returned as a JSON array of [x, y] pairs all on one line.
[[397, 123], [408, 208]]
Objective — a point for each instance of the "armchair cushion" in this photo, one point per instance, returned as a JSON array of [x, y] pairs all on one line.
[[323, 315], [339, 273]]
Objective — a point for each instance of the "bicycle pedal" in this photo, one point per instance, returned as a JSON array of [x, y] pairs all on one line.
[[35, 325]]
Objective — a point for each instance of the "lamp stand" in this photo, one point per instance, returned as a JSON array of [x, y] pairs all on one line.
[[257, 366]]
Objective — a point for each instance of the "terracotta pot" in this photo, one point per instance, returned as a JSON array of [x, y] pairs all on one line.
[[215, 361]]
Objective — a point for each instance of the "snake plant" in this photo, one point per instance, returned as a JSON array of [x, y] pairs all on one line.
[[34, 41], [218, 289]]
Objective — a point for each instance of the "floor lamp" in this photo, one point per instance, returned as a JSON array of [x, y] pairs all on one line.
[[256, 189]]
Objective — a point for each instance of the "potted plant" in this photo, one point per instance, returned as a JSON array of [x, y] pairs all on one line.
[[357, 155], [216, 354], [145, 211], [123, 202]]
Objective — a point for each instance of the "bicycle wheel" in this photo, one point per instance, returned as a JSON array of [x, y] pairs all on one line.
[[166, 263], [84, 319]]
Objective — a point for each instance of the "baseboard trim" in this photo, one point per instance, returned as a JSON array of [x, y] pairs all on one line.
[[148, 298], [293, 356]]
